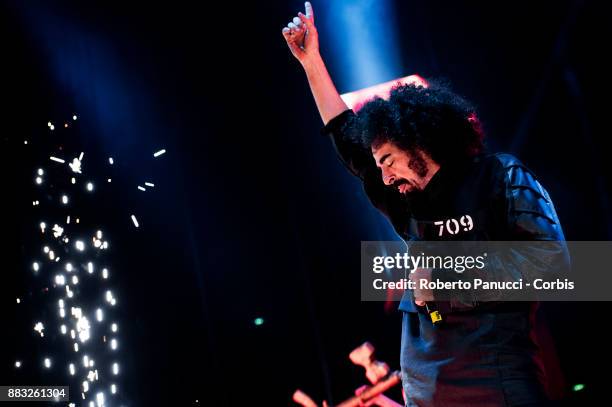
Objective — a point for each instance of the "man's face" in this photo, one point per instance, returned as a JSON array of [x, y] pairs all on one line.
[[406, 171]]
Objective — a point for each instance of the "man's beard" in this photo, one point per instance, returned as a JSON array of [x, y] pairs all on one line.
[[419, 166]]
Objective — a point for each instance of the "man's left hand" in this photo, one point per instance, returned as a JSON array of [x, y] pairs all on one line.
[[421, 295]]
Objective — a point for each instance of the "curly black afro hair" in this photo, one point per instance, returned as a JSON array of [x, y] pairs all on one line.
[[433, 120]]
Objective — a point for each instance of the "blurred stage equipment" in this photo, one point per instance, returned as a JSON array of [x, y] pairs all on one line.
[[377, 373]]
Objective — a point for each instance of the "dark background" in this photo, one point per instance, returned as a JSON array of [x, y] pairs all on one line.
[[252, 214]]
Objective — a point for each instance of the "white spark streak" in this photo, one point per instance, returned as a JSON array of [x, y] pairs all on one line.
[[57, 230], [39, 327], [75, 166]]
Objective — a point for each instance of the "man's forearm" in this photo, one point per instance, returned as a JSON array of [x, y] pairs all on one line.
[[327, 98]]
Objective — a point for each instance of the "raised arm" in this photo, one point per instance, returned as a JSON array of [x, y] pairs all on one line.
[[303, 41]]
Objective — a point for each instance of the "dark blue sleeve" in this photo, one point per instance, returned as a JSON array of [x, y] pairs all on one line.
[[356, 158], [530, 211]]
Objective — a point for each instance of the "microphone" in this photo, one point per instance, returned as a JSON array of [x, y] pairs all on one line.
[[434, 314]]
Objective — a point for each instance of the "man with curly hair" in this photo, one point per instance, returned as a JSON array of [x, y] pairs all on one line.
[[421, 158]]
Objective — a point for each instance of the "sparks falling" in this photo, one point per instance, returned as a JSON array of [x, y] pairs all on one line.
[[71, 263]]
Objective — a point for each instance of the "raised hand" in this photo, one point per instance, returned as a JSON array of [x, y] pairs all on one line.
[[301, 35], [303, 41]]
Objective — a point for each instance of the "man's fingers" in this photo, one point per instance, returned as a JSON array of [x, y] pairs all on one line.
[[289, 35], [309, 12], [295, 29], [286, 33], [290, 38], [307, 22]]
